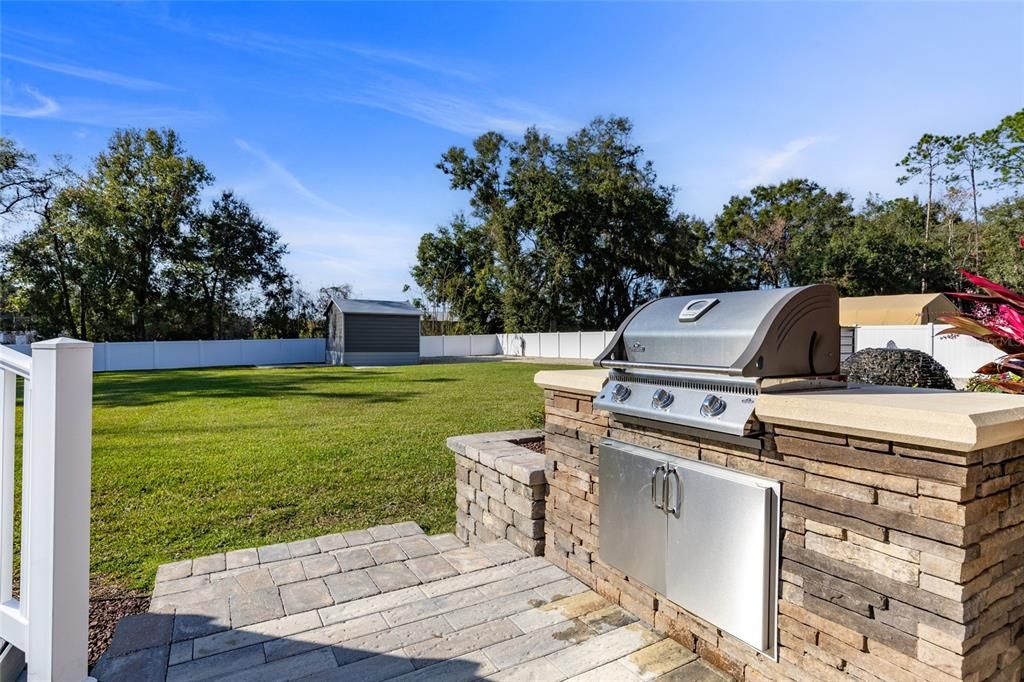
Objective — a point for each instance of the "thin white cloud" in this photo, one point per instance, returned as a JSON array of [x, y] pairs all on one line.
[[321, 51], [86, 73], [114, 115], [43, 107], [373, 256], [285, 177], [433, 89], [765, 167], [460, 114]]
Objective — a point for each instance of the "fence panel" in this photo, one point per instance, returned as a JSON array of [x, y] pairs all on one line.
[[917, 337], [549, 346], [176, 354], [130, 355], [591, 344], [457, 346], [484, 344], [148, 355], [431, 346], [961, 355], [219, 353]]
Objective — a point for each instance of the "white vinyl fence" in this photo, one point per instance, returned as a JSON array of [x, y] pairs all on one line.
[[109, 357], [568, 345], [959, 355], [49, 622]]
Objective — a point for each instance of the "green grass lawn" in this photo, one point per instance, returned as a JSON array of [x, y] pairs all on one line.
[[191, 462]]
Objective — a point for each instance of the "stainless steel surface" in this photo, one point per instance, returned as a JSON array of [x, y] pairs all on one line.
[[680, 398], [719, 550], [660, 469], [665, 367], [632, 517], [713, 406], [697, 361], [770, 332], [662, 399], [673, 509], [695, 308], [710, 545], [620, 392]]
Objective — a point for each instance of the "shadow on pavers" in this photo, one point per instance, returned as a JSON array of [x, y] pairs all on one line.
[[154, 647]]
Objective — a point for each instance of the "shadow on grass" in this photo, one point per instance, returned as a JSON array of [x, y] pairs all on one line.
[[142, 389], [142, 645]]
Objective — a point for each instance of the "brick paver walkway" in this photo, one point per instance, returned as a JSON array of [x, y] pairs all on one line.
[[385, 603]]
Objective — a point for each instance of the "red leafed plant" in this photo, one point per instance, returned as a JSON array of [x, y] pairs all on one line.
[[997, 318]]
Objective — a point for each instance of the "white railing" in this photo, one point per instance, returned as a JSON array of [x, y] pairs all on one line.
[[49, 621]]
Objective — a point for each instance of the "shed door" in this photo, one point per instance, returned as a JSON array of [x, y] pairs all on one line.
[[382, 333]]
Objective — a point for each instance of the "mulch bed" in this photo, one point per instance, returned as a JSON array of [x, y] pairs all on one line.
[[535, 445], [108, 605]]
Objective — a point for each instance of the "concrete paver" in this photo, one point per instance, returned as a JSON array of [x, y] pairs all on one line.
[[386, 603]]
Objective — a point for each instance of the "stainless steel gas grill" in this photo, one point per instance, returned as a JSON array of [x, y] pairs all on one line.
[[700, 361], [704, 536]]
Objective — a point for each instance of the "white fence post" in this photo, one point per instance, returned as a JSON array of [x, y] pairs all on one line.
[[56, 539]]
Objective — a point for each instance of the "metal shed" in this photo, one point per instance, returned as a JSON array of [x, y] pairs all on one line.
[[361, 332], [897, 309]]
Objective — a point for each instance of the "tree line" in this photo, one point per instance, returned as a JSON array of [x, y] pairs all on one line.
[[573, 234], [129, 251]]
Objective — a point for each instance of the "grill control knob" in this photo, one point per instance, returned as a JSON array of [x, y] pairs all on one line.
[[712, 406], [620, 392], [662, 399]]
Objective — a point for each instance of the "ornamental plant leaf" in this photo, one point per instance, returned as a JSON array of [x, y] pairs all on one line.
[[997, 318]]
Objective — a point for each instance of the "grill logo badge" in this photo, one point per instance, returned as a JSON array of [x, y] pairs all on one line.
[[637, 346]]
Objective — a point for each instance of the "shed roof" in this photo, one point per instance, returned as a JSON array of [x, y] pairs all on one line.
[[368, 307], [898, 309]]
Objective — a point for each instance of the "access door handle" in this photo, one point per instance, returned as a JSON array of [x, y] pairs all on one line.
[[654, 487], [669, 509]]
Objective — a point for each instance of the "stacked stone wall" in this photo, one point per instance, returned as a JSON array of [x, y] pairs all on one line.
[[500, 488], [898, 563]]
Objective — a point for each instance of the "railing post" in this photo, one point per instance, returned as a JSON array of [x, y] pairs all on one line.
[[57, 511]]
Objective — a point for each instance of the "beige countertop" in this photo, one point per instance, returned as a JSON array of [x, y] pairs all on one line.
[[950, 420], [583, 381]]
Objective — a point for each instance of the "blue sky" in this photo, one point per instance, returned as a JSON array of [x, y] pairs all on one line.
[[330, 117]]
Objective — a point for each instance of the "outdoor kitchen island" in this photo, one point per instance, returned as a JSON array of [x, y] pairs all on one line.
[[900, 543]]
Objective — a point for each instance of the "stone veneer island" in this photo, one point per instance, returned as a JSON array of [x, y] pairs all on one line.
[[902, 544]]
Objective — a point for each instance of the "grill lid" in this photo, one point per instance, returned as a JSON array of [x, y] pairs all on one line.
[[765, 333]]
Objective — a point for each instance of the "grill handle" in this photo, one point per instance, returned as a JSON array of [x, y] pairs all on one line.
[[666, 367]]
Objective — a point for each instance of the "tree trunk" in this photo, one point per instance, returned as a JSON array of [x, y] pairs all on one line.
[[927, 232], [81, 313], [65, 294], [977, 227]]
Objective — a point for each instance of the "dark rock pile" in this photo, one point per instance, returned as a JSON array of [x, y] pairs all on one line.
[[896, 367]]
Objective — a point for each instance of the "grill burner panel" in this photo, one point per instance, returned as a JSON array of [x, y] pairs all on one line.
[[698, 361], [689, 395]]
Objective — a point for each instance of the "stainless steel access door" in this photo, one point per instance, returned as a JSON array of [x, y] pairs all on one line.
[[632, 512], [721, 555]]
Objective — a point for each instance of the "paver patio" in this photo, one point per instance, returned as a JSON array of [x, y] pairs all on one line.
[[385, 603]]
